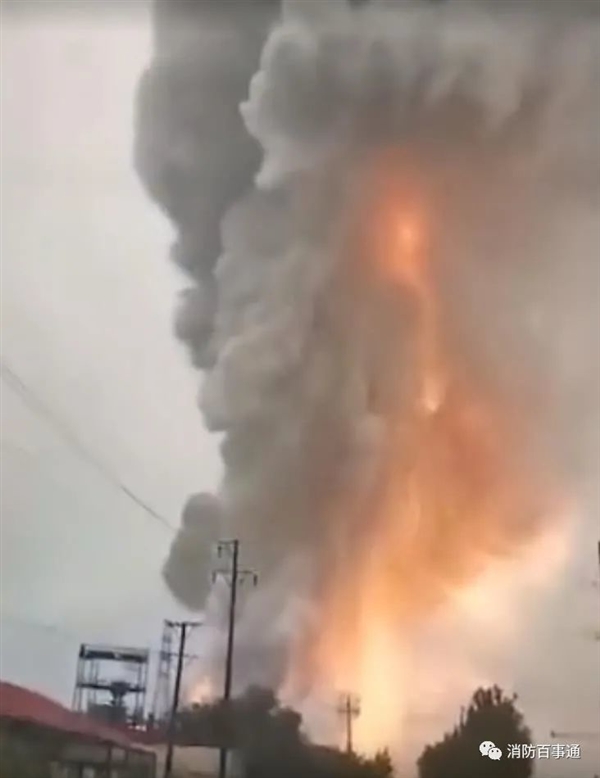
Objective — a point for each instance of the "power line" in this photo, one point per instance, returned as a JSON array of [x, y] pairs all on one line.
[[61, 632], [38, 625], [38, 407]]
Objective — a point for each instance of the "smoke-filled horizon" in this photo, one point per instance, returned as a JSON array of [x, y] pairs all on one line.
[[387, 215]]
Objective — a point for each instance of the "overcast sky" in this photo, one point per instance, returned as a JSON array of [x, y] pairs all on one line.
[[87, 300]]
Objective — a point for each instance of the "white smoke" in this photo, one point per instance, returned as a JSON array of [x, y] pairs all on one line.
[[265, 178]]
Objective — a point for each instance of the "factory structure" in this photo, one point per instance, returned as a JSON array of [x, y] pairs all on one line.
[[120, 687], [112, 683], [113, 728], [37, 732]]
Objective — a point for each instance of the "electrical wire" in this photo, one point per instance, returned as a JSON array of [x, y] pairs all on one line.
[[37, 625], [66, 634], [38, 407]]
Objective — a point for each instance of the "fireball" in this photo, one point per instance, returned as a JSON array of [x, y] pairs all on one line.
[[453, 498]]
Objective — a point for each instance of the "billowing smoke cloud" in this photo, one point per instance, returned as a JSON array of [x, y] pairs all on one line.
[[279, 158], [192, 551], [196, 158]]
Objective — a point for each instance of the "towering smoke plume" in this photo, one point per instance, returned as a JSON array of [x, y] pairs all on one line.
[[387, 215]]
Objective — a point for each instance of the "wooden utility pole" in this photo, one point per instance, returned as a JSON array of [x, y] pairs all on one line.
[[349, 708], [235, 557], [234, 576], [183, 627]]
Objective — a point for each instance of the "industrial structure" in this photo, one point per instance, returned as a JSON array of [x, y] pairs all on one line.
[[163, 687], [40, 736], [111, 684]]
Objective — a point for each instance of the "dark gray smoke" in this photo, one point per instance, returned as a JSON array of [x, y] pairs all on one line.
[[192, 150], [196, 159], [260, 145]]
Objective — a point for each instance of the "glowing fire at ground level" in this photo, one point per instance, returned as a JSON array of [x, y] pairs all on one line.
[[411, 682]]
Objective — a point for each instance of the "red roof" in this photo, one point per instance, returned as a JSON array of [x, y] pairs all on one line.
[[21, 704]]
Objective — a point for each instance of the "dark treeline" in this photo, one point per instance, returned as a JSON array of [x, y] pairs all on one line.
[[268, 741], [491, 716]]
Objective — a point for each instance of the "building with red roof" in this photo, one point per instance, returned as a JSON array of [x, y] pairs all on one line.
[[42, 737]]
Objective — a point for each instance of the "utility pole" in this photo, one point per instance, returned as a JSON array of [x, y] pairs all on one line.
[[349, 708], [234, 576], [183, 627]]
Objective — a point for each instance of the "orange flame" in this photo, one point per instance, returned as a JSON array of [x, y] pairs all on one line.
[[453, 491], [410, 264], [203, 691]]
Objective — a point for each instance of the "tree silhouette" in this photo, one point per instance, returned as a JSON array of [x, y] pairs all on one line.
[[331, 763], [491, 716], [268, 741]]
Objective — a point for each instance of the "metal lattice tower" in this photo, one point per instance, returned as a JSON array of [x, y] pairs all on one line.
[[162, 689]]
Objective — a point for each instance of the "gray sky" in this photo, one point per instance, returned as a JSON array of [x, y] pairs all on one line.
[[87, 299]]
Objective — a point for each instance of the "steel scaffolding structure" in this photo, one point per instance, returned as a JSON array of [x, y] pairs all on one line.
[[103, 691]]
